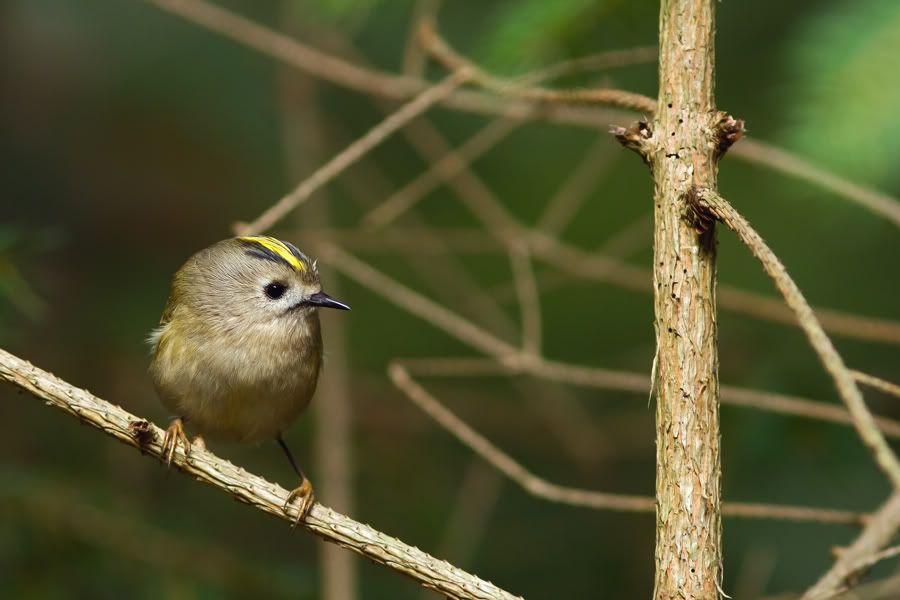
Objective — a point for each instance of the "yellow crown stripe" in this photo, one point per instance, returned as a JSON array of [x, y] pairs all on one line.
[[278, 247]]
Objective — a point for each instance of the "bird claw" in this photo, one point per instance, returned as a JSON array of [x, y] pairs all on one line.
[[175, 435], [303, 493]]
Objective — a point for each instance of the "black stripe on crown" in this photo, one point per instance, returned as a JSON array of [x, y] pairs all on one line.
[[253, 249], [297, 254]]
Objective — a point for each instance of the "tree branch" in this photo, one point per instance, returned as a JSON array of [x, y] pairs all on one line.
[[508, 358], [537, 486], [712, 204], [354, 152], [882, 385], [529, 299], [245, 487], [341, 72], [441, 170], [368, 81], [878, 532], [451, 59]]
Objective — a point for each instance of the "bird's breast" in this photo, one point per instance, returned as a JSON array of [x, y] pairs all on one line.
[[241, 385]]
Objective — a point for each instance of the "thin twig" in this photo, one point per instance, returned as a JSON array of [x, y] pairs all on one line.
[[440, 171], [505, 463], [507, 358], [484, 204], [620, 246], [796, 406], [865, 563], [880, 529], [481, 201], [444, 273], [369, 81], [476, 501], [883, 385], [439, 48], [595, 62], [334, 452], [862, 419], [767, 155], [416, 303], [448, 277], [353, 152], [419, 238], [246, 487], [755, 571], [529, 299], [836, 322], [414, 59], [793, 406], [541, 488], [575, 189], [341, 72], [599, 267], [303, 141]]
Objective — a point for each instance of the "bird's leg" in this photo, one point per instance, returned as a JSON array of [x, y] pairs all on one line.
[[174, 435], [303, 492]]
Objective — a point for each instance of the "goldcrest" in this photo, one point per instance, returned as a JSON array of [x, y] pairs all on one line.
[[238, 350]]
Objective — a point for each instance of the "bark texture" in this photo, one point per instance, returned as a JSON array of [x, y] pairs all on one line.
[[682, 155]]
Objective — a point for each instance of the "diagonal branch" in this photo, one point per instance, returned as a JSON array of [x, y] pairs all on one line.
[[354, 152], [773, 157], [485, 205], [574, 192], [710, 203], [882, 385], [441, 170], [507, 358], [867, 562], [547, 490], [367, 81], [344, 73], [245, 487], [879, 530], [529, 299], [435, 44]]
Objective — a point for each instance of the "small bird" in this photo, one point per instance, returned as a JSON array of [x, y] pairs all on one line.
[[238, 350]]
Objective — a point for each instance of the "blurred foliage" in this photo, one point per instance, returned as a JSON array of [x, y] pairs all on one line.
[[21, 247], [129, 139], [349, 15], [844, 73], [533, 32]]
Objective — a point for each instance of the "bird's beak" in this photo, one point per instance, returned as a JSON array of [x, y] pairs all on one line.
[[323, 300]]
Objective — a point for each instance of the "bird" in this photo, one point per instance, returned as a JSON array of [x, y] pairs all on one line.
[[238, 350]]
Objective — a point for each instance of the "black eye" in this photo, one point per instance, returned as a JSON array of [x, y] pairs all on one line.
[[275, 290]]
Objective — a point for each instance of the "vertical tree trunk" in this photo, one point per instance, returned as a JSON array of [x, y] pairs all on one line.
[[682, 155]]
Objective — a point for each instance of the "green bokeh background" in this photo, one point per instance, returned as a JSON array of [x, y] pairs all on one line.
[[130, 139]]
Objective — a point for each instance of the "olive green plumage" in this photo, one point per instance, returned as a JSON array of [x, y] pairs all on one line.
[[238, 351]]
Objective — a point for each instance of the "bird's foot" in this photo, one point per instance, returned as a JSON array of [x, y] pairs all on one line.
[[304, 494], [175, 435]]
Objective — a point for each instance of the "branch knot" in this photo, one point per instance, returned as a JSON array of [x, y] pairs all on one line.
[[636, 137], [726, 131], [696, 212]]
